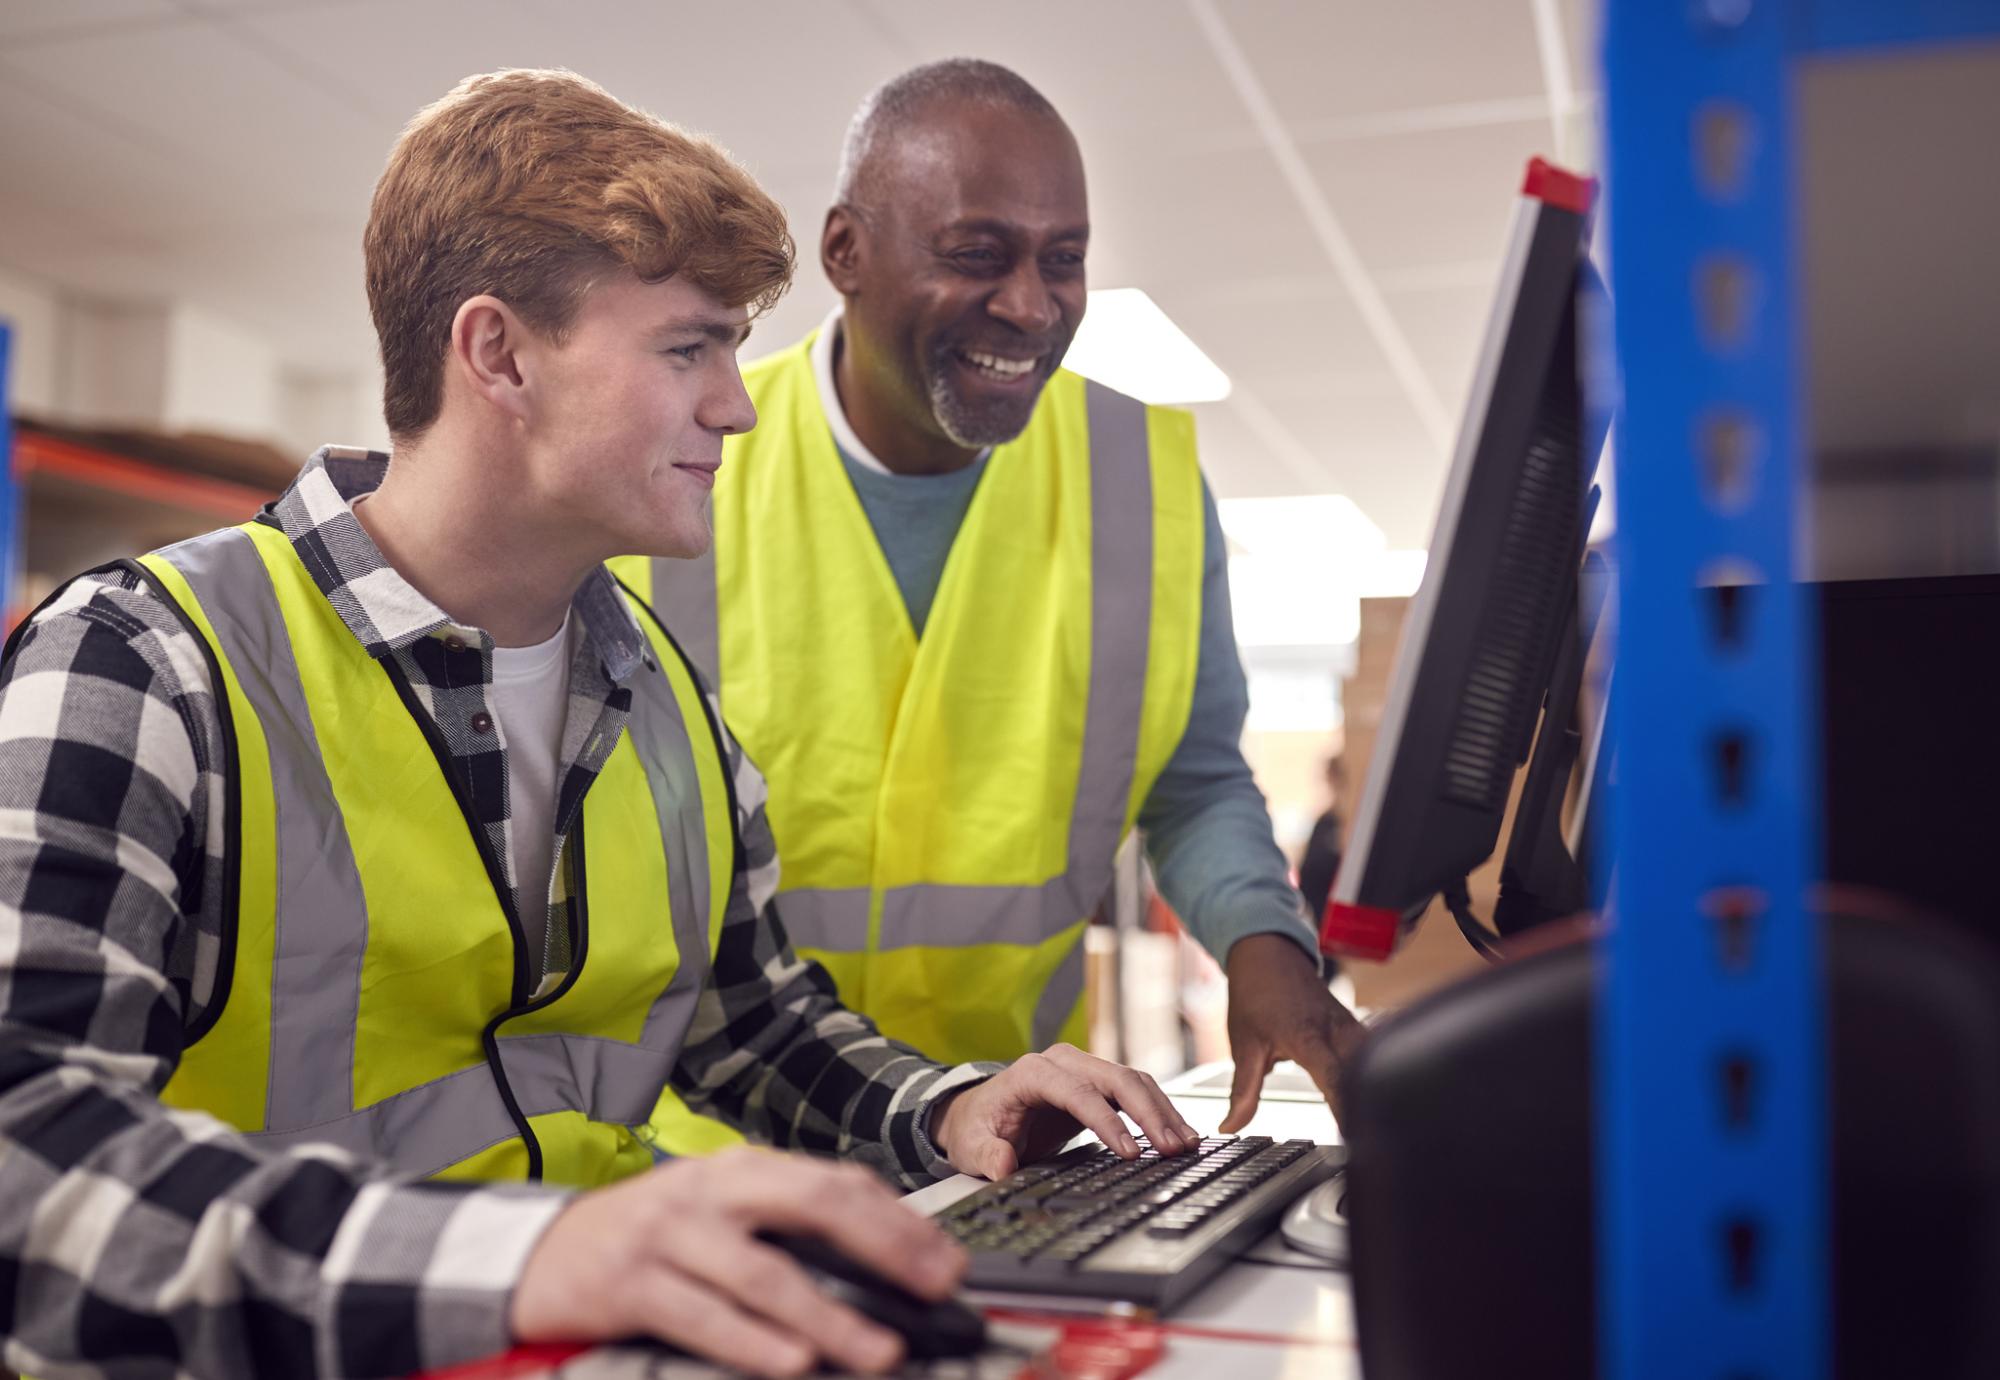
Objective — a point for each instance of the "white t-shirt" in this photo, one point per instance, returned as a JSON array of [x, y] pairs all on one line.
[[530, 699]]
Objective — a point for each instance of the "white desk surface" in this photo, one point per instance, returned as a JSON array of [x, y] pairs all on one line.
[[1311, 1305], [1300, 1313]]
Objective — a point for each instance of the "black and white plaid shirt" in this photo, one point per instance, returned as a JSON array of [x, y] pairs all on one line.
[[139, 1240]]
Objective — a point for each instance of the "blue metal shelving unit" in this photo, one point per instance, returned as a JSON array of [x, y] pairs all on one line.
[[1711, 1087]]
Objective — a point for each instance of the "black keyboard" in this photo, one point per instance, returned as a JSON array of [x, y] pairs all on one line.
[[1148, 1231]]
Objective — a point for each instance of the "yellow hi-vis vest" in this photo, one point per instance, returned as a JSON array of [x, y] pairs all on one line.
[[372, 989], [947, 807]]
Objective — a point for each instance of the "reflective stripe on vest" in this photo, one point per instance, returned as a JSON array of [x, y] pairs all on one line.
[[1133, 570], [372, 948]]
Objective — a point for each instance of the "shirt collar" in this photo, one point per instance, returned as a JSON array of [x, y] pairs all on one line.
[[384, 611], [825, 346]]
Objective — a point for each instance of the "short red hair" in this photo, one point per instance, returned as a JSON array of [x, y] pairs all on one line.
[[528, 185]]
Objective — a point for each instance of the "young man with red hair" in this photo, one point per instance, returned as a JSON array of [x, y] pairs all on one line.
[[383, 850]]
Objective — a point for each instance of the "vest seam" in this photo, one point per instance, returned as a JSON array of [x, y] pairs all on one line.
[[232, 813]]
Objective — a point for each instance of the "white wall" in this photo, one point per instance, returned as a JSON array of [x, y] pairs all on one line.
[[341, 410], [219, 378], [173, 367], [114, 364], [33, 313]]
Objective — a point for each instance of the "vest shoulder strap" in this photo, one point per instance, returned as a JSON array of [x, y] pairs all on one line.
[[715, 734]]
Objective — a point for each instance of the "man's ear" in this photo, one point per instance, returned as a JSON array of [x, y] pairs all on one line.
[[843, 249], [486, 343]]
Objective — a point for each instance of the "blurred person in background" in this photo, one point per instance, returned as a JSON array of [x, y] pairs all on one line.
[[1320, 861], [301, 961], [971, 614]]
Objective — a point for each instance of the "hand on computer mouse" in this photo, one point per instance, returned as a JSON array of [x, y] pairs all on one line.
[[673, 1254], [1030, 1108], [930, 1329]]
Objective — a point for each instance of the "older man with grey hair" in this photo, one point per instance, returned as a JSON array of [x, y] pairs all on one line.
[[971, 614]]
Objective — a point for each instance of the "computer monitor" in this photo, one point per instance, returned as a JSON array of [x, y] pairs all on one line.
[[1497, 604]]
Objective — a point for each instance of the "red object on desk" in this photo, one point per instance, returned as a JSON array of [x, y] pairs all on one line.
[[1085, 1349], [521, 1363], [1097, 1350]]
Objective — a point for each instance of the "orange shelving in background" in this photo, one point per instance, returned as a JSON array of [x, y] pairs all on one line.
[[85, 497], [40, 454]]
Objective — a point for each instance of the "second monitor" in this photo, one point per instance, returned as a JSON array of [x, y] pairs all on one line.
[[1490, 619]]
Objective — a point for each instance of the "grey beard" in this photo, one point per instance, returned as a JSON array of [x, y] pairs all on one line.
[[975, 428]]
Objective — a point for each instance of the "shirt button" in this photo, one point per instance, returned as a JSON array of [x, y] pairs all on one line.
[[454, 643], [482, 722]]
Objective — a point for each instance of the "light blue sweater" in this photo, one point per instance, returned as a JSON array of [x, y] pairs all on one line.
[[1207, 831]]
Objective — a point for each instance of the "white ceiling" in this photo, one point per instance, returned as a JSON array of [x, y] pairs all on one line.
[[1317, 193]]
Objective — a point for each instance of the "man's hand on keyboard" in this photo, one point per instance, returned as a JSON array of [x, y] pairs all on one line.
[[1033, 1106]]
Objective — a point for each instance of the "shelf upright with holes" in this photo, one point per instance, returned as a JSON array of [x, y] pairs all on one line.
[[1711, 1086]]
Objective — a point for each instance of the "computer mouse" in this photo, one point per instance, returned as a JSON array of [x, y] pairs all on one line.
[[1317, 1222], [930, 1331]]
